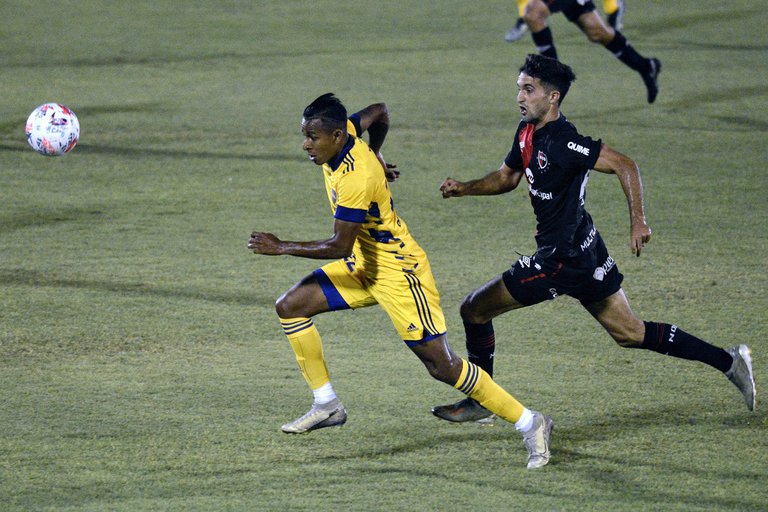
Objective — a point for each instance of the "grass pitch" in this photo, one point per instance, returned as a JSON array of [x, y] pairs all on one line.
[[142, 366]]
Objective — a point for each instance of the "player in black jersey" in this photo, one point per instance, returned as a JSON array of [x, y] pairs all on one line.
[[571, 258]]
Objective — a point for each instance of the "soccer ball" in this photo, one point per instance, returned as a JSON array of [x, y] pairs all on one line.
[[52, 129]]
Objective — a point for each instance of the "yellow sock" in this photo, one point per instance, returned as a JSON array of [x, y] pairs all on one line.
[[610, 6], [521, 7], [478, 385], [308, 348]]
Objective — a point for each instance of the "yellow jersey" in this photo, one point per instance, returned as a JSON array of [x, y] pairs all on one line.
[[358, 191]]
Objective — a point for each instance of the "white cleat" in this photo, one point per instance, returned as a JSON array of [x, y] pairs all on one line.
[[331, 414], [741, 374], [517, 32], [536, 440]]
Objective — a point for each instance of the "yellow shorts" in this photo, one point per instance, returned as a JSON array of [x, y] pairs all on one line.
[[410, 299]]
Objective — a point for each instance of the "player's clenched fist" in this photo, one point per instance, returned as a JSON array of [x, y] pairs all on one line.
[[452, 188]]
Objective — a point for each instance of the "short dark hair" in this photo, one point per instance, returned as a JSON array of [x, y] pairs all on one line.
[[329, 110], [551, 72]]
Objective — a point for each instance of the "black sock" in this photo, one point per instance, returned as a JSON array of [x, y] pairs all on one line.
[[624, 51], [544, 43], [481, 345], [671, 340]]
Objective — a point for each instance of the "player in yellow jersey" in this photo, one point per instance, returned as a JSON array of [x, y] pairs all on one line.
[[377, 261], [613, 9]]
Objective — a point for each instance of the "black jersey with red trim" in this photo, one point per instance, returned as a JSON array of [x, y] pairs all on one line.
[[557, 174]]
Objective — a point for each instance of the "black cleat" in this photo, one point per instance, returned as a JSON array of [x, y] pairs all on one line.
[[651, 78], [463, 410]]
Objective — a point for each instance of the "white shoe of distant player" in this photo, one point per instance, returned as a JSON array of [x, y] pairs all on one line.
[[741, 374], [517, 32], [331, 414]]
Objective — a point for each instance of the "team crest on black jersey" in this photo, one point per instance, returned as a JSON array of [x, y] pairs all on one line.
[[542, 160]]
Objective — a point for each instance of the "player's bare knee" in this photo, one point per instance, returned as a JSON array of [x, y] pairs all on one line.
[[281, 307], [535, 18], [599, 35], [287, 307], [469, 312]]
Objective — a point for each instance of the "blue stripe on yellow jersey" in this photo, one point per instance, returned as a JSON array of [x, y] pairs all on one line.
[[358, 192]]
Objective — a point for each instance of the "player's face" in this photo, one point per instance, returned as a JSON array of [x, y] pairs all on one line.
[[535, 101], [321, 146]]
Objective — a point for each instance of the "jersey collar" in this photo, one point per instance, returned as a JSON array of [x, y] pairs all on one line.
[[553, 125], [335, 162]]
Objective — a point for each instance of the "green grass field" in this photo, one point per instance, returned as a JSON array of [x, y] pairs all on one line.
[[142, 366]]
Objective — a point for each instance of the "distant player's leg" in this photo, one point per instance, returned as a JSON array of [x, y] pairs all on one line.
[[312, 295], [477, 311], [598, 32], [536, 15], [520, 28], [473, 381], [616, 316], [614, 12]]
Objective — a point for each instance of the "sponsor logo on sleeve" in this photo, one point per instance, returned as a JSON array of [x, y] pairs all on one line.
[[578, 148]]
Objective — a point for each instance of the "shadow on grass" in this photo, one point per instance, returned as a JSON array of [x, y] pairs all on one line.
[[609, 474], [14, 126], [678, 419], [135, 151], [131, 60], [174, 153], [19, 221], [20, 277], [689, 101], [686, 22]]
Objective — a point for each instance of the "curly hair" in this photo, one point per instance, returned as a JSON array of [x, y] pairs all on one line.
[[551, 72]]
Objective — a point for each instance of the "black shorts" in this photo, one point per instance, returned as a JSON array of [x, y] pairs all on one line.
[[571, 8], [590, 278]]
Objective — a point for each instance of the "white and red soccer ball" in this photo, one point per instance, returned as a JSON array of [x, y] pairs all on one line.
[[52, 129]]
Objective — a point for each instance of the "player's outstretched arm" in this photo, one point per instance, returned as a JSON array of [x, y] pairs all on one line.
[[613, 162], [493, 183], [338, 246]]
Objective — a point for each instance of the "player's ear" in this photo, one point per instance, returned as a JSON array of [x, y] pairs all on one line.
[[339, 135], [554, 96]]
